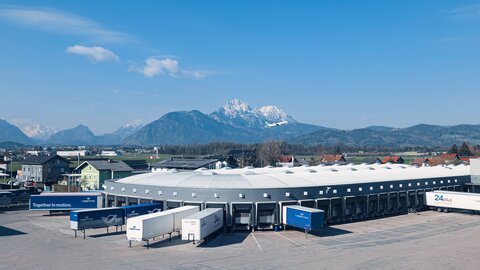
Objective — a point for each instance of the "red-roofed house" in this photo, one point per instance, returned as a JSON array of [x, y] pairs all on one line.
[[466, 160], [333, 159], [287, 161], [450, 158], [393, 159], [425, 162]]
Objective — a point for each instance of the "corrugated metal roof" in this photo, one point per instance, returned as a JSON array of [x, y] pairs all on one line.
[[113, 165], [299, 176]]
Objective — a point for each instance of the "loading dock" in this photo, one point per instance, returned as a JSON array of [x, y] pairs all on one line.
[[382, 204], [132, 201], [402, 201], [336, 208], [350, 207], [282, 204], [307, 203], [110, 201], [266, 212], [121, 201], [199, 204], [361, 209], [372, 204], [322, 204], [411, 199], [172, 204], [393, 202], [224, 206], [242, 215], [420, 199]]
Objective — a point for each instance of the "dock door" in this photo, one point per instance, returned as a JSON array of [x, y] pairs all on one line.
[[172, 204], [324, 204], [361, 209], [280, 212], [350, 207], [393, 202], [412, 199], [402, 201], [242, 214], [372, 204], [199, 204], [420, 199], [382, 203], [266, 212], [336, 209]]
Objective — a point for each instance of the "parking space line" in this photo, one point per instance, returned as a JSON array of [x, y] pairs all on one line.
[[257, 242], [277, 233]]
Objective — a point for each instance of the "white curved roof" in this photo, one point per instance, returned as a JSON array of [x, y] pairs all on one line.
[[247, 178]]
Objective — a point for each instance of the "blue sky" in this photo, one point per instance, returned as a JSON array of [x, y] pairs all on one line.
[[343, 64]]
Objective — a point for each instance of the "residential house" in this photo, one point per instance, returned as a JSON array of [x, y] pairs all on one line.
[[331, 159], [46, 169], [450, 158], [393, 159], [373, 161], [287, 161], [181, 164], [422, 162], [93, 173]]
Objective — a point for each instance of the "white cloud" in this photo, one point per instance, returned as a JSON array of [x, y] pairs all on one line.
[[95, 53], [470, 11], [60, 21], [167, 67]]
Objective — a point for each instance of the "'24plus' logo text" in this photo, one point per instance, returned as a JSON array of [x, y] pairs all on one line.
[[441, 198]]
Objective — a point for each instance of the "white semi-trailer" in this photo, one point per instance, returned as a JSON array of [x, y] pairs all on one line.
[[181, 213], [146, 227], [200, 225], [143, 228], [444, 200]]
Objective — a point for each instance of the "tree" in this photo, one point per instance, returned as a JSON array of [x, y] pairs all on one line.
[[464, 150], [453, 149], [269, 153]]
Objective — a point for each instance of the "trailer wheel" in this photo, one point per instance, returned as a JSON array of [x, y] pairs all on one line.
[[445, 210]]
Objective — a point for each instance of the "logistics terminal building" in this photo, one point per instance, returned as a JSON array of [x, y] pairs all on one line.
[[253, 197]]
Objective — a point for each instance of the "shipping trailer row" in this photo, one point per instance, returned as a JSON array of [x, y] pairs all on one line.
[[441, 200], [146, 227], [82, 220], [244, 215]]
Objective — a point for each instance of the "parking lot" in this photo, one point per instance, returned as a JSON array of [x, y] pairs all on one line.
[[430, 240]]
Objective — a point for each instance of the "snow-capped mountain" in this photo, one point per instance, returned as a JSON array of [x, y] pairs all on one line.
[[128, 129], [39, 131], [275, 114], [239, 114]]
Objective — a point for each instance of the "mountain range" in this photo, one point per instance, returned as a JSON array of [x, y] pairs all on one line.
[[236, 121]]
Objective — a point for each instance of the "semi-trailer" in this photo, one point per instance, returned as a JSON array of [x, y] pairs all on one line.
[[181, 213], [202, 224], [445, 200], [96, 218], [142, 209], [304, 218], [146, 227], [106, 217], [66, 201]]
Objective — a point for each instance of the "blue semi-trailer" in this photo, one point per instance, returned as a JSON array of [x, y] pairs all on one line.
[[107, 217], [66, 201], [304, 218]]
